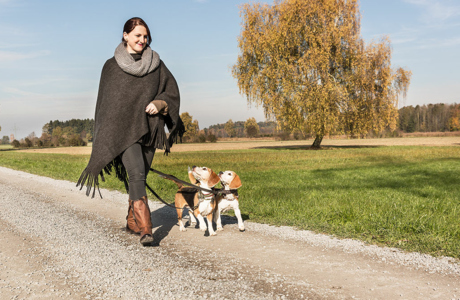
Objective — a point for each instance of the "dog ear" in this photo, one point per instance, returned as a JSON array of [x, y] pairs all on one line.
[[213, 179], [236, 183]]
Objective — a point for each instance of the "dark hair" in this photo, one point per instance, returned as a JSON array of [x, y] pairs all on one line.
[[131, 24]]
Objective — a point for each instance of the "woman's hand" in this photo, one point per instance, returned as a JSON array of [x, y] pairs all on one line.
[[151, 109]]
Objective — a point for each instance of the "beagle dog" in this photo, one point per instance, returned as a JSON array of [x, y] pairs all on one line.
[[231, 182], [200, 203]]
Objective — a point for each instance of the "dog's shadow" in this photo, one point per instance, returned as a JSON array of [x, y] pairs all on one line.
[[163, 220], [231, 219], [228, 219]]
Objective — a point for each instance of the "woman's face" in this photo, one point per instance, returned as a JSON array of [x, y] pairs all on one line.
[[136, 39]]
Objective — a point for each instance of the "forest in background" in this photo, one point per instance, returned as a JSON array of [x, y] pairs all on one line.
[[77, 132], [430, 118]]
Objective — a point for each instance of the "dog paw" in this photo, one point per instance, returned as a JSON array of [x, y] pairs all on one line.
[[212, 234], [193, 224], [241, 229], [220, 228], [182, 229], [203, 228]]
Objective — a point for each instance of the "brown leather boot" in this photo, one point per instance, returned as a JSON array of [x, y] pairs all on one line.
[[131, 225], [143, 221]]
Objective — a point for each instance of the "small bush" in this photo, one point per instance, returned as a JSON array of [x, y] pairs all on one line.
[[201, 138], [284, 136], [16, 144], [211, 138], [75, 140], [27, 143], [298, 135], [188, 139]]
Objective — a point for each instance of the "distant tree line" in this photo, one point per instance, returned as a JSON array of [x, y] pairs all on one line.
[[430, 118], [78, 126], [248, 128], [57, 133], [426, 118]]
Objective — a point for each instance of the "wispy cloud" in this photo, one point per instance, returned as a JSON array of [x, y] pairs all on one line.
[[16, 91], [17, 46], [405, 35], [426, 36], [9, 56], [437, 11], [397, 41], [439, 43], [437, 27]]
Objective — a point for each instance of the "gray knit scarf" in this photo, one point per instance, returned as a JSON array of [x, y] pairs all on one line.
[[149, 62]]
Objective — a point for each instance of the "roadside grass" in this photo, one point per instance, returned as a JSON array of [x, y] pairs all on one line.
[[6, 147], [405, 197]]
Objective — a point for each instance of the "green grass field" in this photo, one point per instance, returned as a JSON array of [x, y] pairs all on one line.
[[6, 147], [407, 197]]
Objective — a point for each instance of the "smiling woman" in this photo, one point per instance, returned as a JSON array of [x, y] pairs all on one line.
[[136, 35], [137, 97]]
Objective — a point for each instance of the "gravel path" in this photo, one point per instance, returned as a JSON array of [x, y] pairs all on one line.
[[57, 243]]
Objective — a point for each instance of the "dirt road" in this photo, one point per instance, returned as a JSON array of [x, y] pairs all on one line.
[[57, 243]]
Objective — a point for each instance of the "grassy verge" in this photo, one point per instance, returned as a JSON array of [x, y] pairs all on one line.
[[6, 147], [407, 197]]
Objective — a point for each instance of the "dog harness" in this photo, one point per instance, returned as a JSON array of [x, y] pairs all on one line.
[[203, 196], [231, 195]]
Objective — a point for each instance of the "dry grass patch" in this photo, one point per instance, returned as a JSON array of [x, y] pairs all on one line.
[[242, 144]]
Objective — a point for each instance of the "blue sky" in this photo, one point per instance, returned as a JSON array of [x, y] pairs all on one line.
[[52, 53]]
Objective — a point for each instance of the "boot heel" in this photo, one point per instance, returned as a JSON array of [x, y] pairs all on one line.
[[147, 239]]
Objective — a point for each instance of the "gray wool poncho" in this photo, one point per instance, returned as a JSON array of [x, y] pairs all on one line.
[[121, 120]]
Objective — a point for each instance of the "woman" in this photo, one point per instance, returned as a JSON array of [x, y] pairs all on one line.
[[137, 97]]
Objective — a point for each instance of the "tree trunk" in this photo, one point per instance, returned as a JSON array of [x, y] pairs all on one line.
[[317, 142]]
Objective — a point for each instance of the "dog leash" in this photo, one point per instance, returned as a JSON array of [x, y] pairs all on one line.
[[168, 204], [174, 178], [159, 198]]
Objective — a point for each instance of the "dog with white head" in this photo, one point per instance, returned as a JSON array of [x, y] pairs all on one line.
[[231, 182]]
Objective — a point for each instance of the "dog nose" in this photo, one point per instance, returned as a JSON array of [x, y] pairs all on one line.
[[220, 173], [193, 167]]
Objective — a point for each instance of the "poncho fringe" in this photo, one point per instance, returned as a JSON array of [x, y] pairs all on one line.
[[91, 181]]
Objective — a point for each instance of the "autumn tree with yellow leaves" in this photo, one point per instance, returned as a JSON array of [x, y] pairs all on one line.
[[191, 126], [230, 128], [306, 64], [251, 128]]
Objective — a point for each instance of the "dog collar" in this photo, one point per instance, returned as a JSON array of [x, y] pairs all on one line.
[[206, 195]]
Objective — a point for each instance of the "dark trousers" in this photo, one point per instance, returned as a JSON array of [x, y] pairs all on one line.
[[137, 160]]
